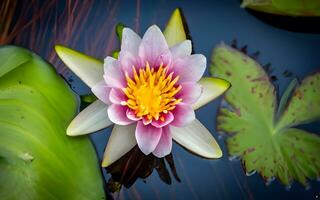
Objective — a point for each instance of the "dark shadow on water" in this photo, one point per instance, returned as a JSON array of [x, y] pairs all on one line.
[[295, 24]]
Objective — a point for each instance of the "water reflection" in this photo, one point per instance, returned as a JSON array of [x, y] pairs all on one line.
[[135, 165]]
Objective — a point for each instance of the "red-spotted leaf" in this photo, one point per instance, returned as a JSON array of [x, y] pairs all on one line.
[[265, 141]]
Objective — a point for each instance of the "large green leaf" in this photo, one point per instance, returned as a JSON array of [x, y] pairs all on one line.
[[285, 7], [37, 159], [265, 142]]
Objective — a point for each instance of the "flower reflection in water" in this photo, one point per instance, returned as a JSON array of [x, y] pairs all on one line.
[[135, 165]]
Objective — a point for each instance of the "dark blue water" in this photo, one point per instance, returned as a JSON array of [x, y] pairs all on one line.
[[211, 22]]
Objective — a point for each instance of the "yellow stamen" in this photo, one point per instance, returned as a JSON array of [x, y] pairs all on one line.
[[151, 93]]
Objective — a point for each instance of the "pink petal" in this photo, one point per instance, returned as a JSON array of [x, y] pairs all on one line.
[[165, 59], [154, 48], [146, 121], [190, 92], [181, 50], [168, 118], [190, 68], [147, 137], [128, 60], [101, 91], [117, 114], [183, 115], [130, 41], [117, 96], [113, 75], [132, 116], [165, 144]]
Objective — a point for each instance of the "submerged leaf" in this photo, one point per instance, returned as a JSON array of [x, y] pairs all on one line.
[[285, 7], [285, 97], [37, 159], [266, 145]]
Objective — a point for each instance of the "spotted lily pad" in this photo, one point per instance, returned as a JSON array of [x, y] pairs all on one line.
[[37, 159], [265, 142]]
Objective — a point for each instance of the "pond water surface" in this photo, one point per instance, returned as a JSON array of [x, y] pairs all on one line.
[[211, 22]]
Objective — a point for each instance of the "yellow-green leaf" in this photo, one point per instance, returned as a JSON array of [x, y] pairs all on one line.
[[272, 147]]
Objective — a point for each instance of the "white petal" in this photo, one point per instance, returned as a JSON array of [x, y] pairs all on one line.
[[212, 88], [121, 141], [91, 119], [130, 41], [88, 69], [182, 49], [196, 138]]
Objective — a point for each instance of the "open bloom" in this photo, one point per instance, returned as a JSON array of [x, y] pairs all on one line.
[[149, 93]]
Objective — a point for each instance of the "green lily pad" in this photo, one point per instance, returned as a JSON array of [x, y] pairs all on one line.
[[37, 159], [265, 142], [285, 7]]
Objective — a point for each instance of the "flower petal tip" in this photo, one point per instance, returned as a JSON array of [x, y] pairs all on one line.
[[217, 152], [71, 130], [87, 68], [58, 48], [213, 151], [105, 162], [70, 133], [197, 139], [154, 27], [212, 89], [93, 118]]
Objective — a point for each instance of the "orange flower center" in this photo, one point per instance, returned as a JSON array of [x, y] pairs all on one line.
[[151, 93]]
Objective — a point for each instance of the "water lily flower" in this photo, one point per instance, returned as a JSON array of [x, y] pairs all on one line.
[[150, 93]]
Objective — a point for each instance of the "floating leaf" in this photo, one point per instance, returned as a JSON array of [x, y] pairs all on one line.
[[269, 146], [285, 7], [37, 159]]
